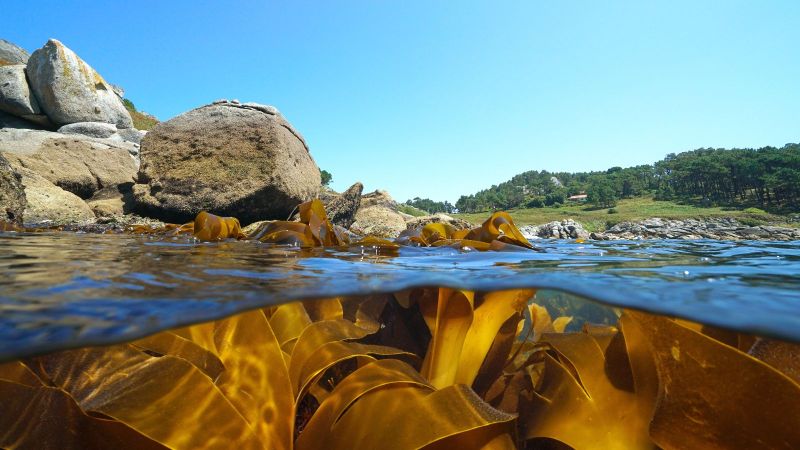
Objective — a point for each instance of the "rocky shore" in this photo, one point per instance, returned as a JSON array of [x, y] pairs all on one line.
[[657, 228], [70, 155], [722, 228]]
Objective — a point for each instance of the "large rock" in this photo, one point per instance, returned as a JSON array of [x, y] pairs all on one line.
[[565, 229], [70, 91], [11, 54], [9, 121], [378, 216], [77, 164], [131, 135], [48, 203], [342, 208], [15, 96], [12, 193], [93, 129], [230, 159]]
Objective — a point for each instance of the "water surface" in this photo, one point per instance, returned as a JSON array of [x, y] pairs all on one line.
[[61, 290]]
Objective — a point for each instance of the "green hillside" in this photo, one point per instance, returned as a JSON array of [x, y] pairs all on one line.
[[767, 178]]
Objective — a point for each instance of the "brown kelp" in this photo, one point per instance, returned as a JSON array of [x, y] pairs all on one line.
[[427, 368], [424, 368]]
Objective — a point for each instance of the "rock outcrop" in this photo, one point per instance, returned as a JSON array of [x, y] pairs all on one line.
[[378, 216], [342, 208], [9, 121], [69, 90], [566, 229], [11, 54], [15, 96], [12, 194], [100, 130], [76, 164], [721, 228], [242, 160], [48, 203]]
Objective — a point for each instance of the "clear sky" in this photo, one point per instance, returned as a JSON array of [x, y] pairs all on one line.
[[438, 98]]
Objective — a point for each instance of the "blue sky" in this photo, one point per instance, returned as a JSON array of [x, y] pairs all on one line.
[[438, 99]]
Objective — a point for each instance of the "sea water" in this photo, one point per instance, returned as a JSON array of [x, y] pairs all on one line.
[[63, 290]]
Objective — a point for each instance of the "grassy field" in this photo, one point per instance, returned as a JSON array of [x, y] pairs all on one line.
[[634, 209]]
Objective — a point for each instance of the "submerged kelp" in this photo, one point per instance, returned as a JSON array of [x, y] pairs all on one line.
[[427, 368], [433, 367]]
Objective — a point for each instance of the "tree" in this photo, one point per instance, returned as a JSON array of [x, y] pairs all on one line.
[[326, 176], [601, 193]]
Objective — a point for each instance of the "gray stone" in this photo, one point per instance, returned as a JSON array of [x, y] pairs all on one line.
[[342, 209], [131, 135], [268, 109], [11, 54], [714, 228], [70, 91], [227, 159], [93, 129], [15, 95], [566, 229], [12, 194], [119, 90]]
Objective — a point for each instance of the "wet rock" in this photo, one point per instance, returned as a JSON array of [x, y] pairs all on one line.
[[16, 98], [421, 221], [229, 159], [69, 90], [75, 163], [342, 208], [12, 193], [11, 54], [93, 129]]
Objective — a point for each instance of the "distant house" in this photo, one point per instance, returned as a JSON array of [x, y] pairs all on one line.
[[577, 198]]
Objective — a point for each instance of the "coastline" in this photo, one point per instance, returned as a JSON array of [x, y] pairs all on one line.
[[719, 228]]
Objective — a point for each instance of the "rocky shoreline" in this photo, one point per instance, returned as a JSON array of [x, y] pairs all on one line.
[[70, 156], [724, 228]]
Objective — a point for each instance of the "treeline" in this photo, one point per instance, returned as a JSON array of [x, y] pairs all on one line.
[[768, 177], [430, 206]]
